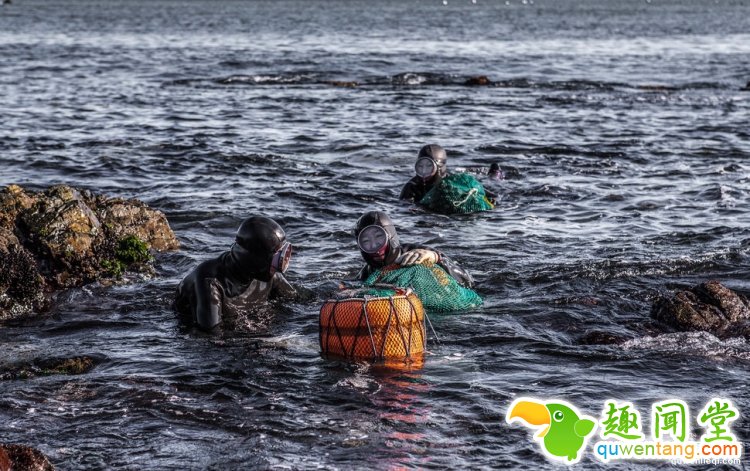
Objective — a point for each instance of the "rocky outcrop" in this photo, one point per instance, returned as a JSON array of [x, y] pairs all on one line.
[[21, 457], [709, 307], [62, 229], [22, 287], [65, 237]]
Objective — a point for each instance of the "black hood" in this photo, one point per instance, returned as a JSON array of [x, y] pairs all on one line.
[[379, 218], [250, 257], [438, 154]]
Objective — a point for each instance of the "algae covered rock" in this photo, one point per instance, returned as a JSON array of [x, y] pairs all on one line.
[[13, 200], [62, 229], [22, 287], [65, 237], [709, 307], [123, 218], [49, 366]]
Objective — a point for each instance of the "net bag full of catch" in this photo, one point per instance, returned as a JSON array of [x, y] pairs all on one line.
[[437, 290], [373, 324], [457, 193]]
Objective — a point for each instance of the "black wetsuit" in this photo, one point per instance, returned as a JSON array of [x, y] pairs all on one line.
[[210, 293], [415, 189], [238, 280]]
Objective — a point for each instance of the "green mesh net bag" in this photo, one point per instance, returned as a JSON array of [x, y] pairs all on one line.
[[374, 291], [457, 193], [437, 290]]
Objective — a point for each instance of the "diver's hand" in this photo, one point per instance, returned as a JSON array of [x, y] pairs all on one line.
[[418, 256]]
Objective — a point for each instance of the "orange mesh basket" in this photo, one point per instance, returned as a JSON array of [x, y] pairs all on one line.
[[359, 326]]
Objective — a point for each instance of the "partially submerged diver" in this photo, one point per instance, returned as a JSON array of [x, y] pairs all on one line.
[[240, 279], [431, 168], [379, 245]]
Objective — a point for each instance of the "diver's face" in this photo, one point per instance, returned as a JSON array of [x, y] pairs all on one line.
[[373, 240], [426, 168]]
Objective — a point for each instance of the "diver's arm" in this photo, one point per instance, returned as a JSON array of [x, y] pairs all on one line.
[[207, 304], [418, 257], [455, 270], [491, 197], [413, 190], [407, 192], [281, 288], [364, 273]]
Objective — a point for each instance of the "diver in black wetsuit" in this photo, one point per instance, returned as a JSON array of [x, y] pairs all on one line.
[[431, 167], [378, 243], [239, 279]]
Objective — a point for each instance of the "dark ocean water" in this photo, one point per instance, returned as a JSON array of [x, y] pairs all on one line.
[[622, 128]]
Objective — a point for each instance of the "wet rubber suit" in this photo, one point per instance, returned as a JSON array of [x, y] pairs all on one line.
[[418, 186], [239, 279], [395, 249]]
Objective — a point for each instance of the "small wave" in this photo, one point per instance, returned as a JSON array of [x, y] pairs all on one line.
[[266, 79], [595, 151], [422, 78], [684, 86], [427, 79], [242, 64], [618, 268], [183, 82], [548, 191], [692, 343], [103, 143], [291, 341], [43, 143]]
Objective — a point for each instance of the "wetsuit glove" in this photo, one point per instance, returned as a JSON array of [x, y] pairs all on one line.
[[418, 256]]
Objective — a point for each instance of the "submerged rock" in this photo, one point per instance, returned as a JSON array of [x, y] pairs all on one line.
[[478, 81], [343, 84], [600, 337], [50, 366], [708, 307], [65, 237], [21, 457]]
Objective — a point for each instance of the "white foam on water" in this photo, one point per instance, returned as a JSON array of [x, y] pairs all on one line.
[[693, 343]]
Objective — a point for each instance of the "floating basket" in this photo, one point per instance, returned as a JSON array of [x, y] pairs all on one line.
[[457, 193], [373, 324]]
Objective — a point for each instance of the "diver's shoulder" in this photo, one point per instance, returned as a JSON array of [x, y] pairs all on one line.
[[208, 268]]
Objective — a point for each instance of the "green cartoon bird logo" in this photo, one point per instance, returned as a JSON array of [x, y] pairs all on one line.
[[563, 430]]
